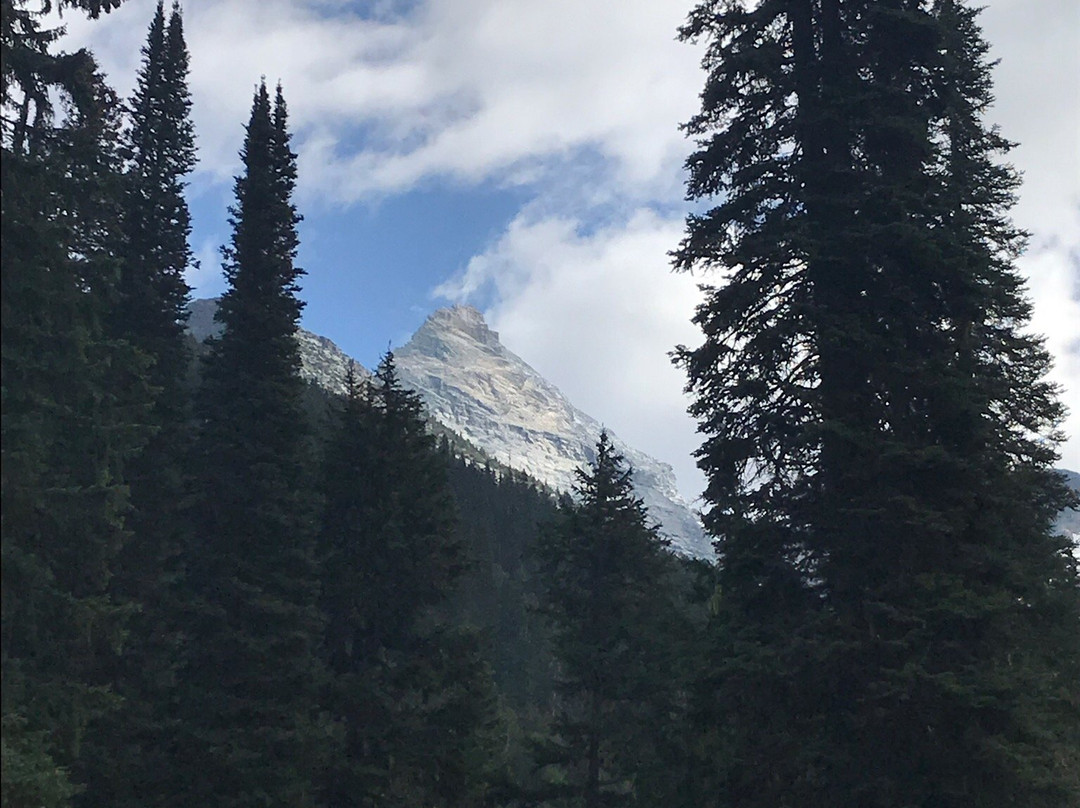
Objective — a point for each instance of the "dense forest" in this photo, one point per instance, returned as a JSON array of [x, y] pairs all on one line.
[[225, 587]]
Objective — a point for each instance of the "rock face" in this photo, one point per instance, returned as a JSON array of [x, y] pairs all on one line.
[[323, 362], [1069, 520], [476, 387]]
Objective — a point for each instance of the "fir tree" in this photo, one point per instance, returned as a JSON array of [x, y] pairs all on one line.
[[603, 574], [73, 400], [250, 681], [128, 761], [154, 294], [410, 690], [895, 622]]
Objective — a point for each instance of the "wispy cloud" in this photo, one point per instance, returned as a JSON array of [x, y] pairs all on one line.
[[468, 89], [596, 311], [577, 101]]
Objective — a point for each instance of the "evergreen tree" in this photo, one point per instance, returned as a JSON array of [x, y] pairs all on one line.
[[250, 681], [128, 758], [603, 573], [410, 690], [73, 400], [154, 294], [895, 621], [501, 518]]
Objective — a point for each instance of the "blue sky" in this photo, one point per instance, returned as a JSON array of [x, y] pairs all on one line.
[[524, 156]]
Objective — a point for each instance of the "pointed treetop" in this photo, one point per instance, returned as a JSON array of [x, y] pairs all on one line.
[[280, 108], [386, 372]]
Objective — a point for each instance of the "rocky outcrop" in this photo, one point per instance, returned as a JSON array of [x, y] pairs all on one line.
[[476, 387]]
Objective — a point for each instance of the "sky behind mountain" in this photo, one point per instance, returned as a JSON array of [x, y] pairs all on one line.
[[525, 157]]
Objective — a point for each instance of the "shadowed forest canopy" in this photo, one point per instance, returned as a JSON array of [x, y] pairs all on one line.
[[224, 586]]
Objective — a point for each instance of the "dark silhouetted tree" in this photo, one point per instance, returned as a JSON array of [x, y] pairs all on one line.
[[895, 620], [251, 679], [605, 575], [73, 402], [410, 689], [128, 758]]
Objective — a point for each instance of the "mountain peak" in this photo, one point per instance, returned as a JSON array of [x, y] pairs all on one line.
[[481, 390], [458, 321]]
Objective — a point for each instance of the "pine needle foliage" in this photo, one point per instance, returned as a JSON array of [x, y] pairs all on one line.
[[410, 689], [251, 676], [607, 595], [128, 760], [73, 409], [896, 623]]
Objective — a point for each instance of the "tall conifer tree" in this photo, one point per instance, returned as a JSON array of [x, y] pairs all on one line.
[[896, 621], [604, 573], [249, 686], [411, 691], [72, 402], [154, 294], [128, 761]]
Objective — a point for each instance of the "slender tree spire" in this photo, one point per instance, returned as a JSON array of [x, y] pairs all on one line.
[[602, 572], [251, 678], [127, 755], [410, 690]]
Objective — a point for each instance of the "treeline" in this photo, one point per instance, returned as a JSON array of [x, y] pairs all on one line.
[[222, 586]]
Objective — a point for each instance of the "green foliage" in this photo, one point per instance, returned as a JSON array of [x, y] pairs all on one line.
[[31, 777], [157, 224], [615, 629], [893, 623], [411, 689], [892, 620], [74, 401], [249, 685], [502, 514], [127, 759]]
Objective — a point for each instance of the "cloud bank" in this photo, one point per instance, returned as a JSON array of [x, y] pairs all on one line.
[[577, 102]]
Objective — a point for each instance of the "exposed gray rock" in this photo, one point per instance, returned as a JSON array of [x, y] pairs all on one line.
[[323, 362], [1069, 520], [201, 323], [476, 387]]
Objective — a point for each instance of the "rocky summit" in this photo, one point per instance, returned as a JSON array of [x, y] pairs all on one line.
[[472, 384], [478, 389]]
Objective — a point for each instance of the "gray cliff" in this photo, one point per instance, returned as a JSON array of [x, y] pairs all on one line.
[[476, 387]]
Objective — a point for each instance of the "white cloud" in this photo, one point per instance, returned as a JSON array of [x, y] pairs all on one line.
[[579, 100], [1054, 285], [1037, 85], [468, 89], [597, 313]]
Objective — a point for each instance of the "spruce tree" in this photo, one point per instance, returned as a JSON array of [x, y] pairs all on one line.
[[154, 293], [250, 679], [128, 760], [895, 620], [73, 402], [604, 573], [410, 690]]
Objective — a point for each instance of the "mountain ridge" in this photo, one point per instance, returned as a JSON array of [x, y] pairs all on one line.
[[478, 389], [493, 398], [486, 406]]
